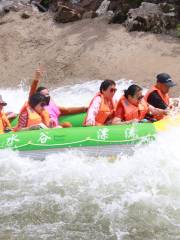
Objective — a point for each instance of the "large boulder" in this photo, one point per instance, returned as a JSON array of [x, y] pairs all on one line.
[[175, 3], [66, 14], [116, 5], [87, 5], [121, 9], [68, 11], [151, 17], [90, 5]]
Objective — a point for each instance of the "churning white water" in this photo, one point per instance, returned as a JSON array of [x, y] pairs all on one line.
[[72, 196]]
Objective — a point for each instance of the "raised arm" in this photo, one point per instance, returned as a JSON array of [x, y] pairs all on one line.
[[37, 77], [72, 110]]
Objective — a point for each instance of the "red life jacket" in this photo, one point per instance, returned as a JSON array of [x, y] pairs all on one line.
[[131, 111], [106, 111]]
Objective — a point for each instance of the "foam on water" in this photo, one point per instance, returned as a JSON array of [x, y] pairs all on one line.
[[73, 196], [77, 95]]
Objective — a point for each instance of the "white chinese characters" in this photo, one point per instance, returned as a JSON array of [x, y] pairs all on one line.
[[43, 138], [12, 139], [103, 134]]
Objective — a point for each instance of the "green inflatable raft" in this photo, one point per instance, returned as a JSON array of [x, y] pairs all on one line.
[[89, 138]]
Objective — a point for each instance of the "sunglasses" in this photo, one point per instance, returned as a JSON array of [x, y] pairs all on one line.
[[140, 97], [47, 99], [43, 104], [3, 104], [113, 90]]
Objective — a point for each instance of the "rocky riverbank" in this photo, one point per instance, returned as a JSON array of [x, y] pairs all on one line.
[[157, 16], [80, 51]]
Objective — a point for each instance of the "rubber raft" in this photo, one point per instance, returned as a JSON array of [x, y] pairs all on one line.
[[51, 140]]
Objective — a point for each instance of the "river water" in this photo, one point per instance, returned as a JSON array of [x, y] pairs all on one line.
[[73, 196]]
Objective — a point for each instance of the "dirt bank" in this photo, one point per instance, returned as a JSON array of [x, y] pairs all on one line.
[[84, 50]]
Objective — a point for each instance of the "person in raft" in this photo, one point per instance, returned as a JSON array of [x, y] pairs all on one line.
[[101, 108], [52, 108], [158, 95], [33, 114], [133, 108], [56, 111], [4, 122]]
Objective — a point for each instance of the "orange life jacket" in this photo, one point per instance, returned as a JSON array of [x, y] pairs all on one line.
[[34, 118], [4, 122], [106, 111], [131, 111], [164, 97]]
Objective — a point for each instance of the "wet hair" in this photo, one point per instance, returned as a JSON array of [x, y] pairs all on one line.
[[132, 90], [39, 89], [47, 98], [36, 98], [105, 84]]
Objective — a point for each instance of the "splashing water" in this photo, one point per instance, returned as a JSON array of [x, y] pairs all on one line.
[[72, 196], [78, 95]]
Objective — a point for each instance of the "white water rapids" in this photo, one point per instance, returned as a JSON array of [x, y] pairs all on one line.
[[72, 196]]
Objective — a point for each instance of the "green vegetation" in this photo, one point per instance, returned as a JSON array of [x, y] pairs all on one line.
[[178, 30], [135, 3]]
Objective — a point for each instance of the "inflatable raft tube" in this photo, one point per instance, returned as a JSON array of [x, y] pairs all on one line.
[[44, 141]]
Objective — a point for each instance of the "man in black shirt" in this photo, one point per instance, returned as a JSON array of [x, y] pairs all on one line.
[[155, 100], [158, 95]]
